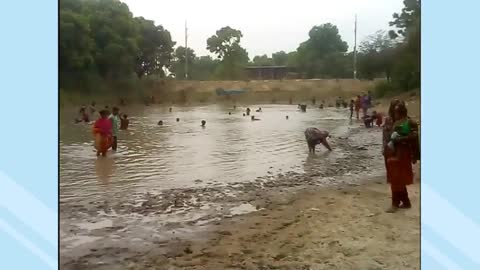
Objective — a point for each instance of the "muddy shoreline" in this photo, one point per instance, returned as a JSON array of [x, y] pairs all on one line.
[[159, 231]]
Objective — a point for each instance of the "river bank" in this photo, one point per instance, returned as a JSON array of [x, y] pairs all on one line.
[[329, 217], [165, 91]]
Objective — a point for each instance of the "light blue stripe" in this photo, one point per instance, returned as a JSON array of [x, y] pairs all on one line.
[[441, 259], [450, 224], [26, 243], [28, 209]]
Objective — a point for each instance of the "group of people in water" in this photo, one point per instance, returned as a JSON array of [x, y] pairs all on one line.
[[106, 128], [400, 145]]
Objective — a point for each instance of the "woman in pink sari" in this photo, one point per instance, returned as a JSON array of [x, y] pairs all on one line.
[[102, 130]]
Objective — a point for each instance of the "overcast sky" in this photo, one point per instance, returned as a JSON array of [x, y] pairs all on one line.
[[267, 26]]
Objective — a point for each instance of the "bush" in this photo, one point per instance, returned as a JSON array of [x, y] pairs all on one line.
[[382, 88]]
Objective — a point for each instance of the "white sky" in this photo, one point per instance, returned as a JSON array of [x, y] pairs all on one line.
[[267, 26]]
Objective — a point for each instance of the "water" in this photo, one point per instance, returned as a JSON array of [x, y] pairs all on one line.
[[152, 158]]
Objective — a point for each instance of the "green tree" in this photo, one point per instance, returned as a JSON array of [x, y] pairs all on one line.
[[407, 20], [102, 44], [179, 62], [324, 43], [376, 55], [226, 45], [406, 70], [155, 48], [280, 58], [204, 68], [262, 60], [292, 59]]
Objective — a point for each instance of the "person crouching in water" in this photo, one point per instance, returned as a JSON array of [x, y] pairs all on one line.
[[115, 126], [102, 130], [368, 121], [124, 122], [315, 136], [378, 117]]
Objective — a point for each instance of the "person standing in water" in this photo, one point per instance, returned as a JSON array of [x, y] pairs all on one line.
[[315, 136], [248, 111], [399, 161], [115, 119], [358, 105], [365, 104], [83, 116], [92, 108], [124, 122], [352, 106], [204, 123], [102, 130]]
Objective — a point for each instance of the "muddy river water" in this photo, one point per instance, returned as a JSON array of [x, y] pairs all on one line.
[[182, 173]]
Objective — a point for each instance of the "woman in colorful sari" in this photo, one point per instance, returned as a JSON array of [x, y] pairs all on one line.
[[102, 130], [399, 162]]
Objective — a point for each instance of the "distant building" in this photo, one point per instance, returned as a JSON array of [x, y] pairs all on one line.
[[267, 72]]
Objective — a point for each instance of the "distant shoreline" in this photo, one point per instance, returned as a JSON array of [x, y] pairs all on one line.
[[204, 92]]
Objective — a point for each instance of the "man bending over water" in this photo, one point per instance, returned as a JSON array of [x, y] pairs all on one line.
[[315, 136]]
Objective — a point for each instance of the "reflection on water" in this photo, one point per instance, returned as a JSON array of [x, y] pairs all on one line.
[[104, 167], [230, 148]]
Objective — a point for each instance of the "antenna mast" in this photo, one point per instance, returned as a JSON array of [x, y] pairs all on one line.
[[355, 51], [186, 51]]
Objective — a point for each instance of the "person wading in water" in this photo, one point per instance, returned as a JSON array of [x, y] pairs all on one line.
[[115, 118]]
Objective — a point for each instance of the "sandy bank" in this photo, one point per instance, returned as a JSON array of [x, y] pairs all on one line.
[[342, 228]]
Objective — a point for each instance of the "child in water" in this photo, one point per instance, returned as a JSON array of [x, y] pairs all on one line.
[[352, 105], [204, 123], [102, 129], [124, 122]]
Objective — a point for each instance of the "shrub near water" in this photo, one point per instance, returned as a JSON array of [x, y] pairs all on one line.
[[383, 88]]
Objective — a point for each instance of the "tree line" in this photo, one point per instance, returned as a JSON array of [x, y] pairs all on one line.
[[101, 42]]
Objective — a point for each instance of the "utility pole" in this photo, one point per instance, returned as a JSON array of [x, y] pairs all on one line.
[[355, 51], [186, 51]]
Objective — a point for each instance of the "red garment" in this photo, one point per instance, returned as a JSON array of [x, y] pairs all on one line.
[[379, 119], [102, 130], [104, 126], [399, 167], [399, 164]]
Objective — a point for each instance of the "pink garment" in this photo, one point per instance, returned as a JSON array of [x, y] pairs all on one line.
[[104, 125]]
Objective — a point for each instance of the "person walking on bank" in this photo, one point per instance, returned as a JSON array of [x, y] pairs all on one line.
[[115, 119]]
